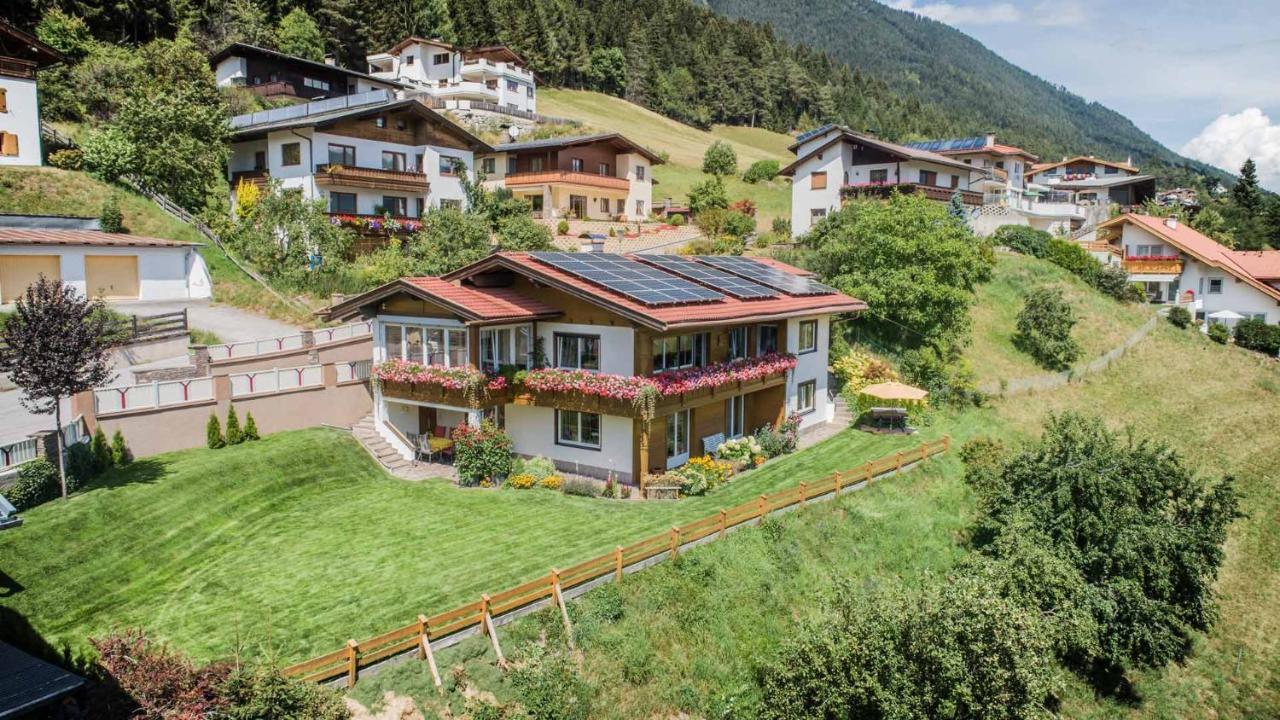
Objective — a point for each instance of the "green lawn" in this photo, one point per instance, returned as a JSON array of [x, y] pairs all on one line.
[[50, 191], [1103, 322], [684, 146], [300, 541]]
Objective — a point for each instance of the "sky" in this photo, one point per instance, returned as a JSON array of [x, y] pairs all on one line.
[[1202, 77]]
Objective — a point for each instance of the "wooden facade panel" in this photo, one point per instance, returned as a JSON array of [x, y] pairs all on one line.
[[402, 304], [766, 407], [707, 420]]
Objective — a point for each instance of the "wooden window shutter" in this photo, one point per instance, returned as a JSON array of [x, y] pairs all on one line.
[[8, 144], [4, 100], [819, 181]]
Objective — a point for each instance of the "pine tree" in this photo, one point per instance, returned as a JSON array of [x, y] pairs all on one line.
[[111, 220], [1246, 194], [297, 34], [234, 436], [956, 208], [1271, 223], [250, 427], [120, 453], [101, 450], [213, 433]]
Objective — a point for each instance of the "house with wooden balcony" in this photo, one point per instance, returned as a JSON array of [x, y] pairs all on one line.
[[493, 78], [21, 56], [1094, 181], [273, 74], [609, 365], [1175, 263], [834, 164], [589, 177], [379, 163]]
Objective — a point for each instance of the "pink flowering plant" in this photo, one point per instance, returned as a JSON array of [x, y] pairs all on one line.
[[676, 382], [469, 380]]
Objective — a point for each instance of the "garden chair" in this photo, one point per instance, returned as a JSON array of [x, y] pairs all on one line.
[[423, 449]]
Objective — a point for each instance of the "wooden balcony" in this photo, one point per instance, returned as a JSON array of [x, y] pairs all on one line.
[[1152, 266], [374, 178], [1103, 247], [567, 177], [438, 395], [933, 192], [15, 68], [253, 177]]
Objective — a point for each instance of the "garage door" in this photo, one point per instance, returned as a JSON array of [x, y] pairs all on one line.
[[114, 277], [19, 271]]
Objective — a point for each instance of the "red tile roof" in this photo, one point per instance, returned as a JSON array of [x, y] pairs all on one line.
[[996, 149], [486, 304], [97, 238], [1262, 264], [727, 310]]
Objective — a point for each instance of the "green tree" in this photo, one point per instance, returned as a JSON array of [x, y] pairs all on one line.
[[450, 239], [1212, 223], [720, 159], [297, 34], [250, 427], [68, 34], [234, 435], [290, 239], [101, 449], [120, 453], [904, 258], [1144, 532], [1271, 222], [213, 433], [608, 72], [761, 171], [523, 234], [394, 20], [1246, 193], [1022, 239], [1044, 329], [709, 193], [111, 220]]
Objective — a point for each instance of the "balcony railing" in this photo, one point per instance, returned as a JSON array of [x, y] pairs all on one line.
[[1153, 265], [253, 177], [376, 224], [376, 178], [1102, 246], [481, 65], [567, 176], [933, 192]]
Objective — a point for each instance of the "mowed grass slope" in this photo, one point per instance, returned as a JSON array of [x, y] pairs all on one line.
[[50, 191], [684, 146], [1102, 324], [300, 541]]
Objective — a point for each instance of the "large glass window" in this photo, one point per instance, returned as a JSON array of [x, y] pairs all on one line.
[[291, 154], [393, 160], [413, 344], [340, 202], [342, 155], [766, 339], [678, 438], [735, 414], [681, 351], [436, 352], [447, 163], [880, 176], [578, 351], [737, 343], [808, 336], [580, 429], [457, 344], [446, 347], [495, 349]]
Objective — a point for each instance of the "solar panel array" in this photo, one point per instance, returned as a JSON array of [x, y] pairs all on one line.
[[765, 275], [635, 280], [726, 283], [813, 133], [951, 145]]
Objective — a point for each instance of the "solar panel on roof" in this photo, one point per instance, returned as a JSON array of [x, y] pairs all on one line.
[[765, 275], [726, 283], [950, 145], [635, 280], [813, 133]]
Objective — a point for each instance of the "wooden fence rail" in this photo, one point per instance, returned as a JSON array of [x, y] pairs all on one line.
[[348, 661]]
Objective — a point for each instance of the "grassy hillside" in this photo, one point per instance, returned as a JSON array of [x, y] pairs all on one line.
[[684, 146], [49, 191], [1103, 323]]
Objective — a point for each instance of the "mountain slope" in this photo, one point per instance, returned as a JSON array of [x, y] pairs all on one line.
[[975, 87]]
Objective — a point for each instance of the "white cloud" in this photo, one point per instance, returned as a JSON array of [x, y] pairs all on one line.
[[1048, 14], [1231, 139]]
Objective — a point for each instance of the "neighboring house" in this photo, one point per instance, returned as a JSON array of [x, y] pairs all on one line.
[[112, 266], [592, 177], [1176, 263], [833, 163], [1007, 164], [21, 55], [1095, 181], [460, 78], [618, 318], [365, 155], [274, 74]]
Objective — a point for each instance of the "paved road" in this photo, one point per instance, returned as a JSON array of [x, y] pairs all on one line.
[[227, 322]]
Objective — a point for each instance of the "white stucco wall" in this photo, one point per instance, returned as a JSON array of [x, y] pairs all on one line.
[[533, 432], [163, 273], [617, 344], [804, 199], [638, 190], [231, 71], [810, 366], [21, 119]]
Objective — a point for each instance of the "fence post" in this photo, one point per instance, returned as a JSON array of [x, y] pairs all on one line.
[[617, 563], [764, 503], [155, 392], [425, 651], [802, 493], [723, 514], [487, 622], [837, 489], [675, 541], [924, 451], [353, 671], [898, 461], [946, 443], [564, 611], [866, 469]]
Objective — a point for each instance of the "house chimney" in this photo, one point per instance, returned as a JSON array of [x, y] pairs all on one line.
[[990, 139], [1129, 161], [330, 59], [1172, 222]]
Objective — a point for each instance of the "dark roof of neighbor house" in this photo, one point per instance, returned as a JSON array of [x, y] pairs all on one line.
[[28, 683], [476, 305], [247, 129], [575, 140], [1041, 167], [95, 238], [239, 48], [902, 151], [486, 51], [22, 45]]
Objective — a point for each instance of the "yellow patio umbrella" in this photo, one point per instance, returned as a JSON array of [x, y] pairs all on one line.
[[895, 392]]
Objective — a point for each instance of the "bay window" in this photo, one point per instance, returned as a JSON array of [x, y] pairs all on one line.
[[425, 344]]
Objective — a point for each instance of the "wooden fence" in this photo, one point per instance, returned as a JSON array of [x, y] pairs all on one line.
[[157, 327], [345, 664]]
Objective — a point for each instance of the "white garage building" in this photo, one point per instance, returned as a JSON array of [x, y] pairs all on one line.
[[98, 264]]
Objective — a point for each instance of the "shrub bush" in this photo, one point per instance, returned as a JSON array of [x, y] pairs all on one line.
[[1179, 317], [745, 206], [857, 369], [946, 375], [1114, 281], [68, 159], [520, 481], [585, 487], [720, 159], [708, 194], [234, 436], [213, 433], [1219, 333], [761, 171], [742, 449], [536, 467], [782, 226], [250, 428], [1044, 329], [37, 483], [548, 685], [676, 220], [482, 453], [562, 227], [1258, 335], [120, 452], [1073, 258], [101, 449], [551, 482], [703, 474], [111, 220], [1023, 239], [82, 466]]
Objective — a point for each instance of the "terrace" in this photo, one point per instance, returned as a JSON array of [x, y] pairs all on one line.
[[331, 175], [933, 192], [567, 177]]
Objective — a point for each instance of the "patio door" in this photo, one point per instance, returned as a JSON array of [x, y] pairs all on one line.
[[678, 439], [578, 206]]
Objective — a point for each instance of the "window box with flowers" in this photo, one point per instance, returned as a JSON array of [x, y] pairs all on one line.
[[460, 387]]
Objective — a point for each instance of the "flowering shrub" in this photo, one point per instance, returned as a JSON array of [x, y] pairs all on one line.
[[376, 223], [781, 440], [520, 482], [703, 474], [675, 382], [857, 369], [743, 448], [551, 482], [471, 381], [482, 453]]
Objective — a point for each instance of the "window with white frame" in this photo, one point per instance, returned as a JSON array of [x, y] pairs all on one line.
[[577, 352], [578, 429], [677, 438], [737, 343], [808, 336], [639, 172], [316, 84], [425, 344], [680, 351], [1215, 286], [806, 396], [735, 414], [505, 346], [440, 59]]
